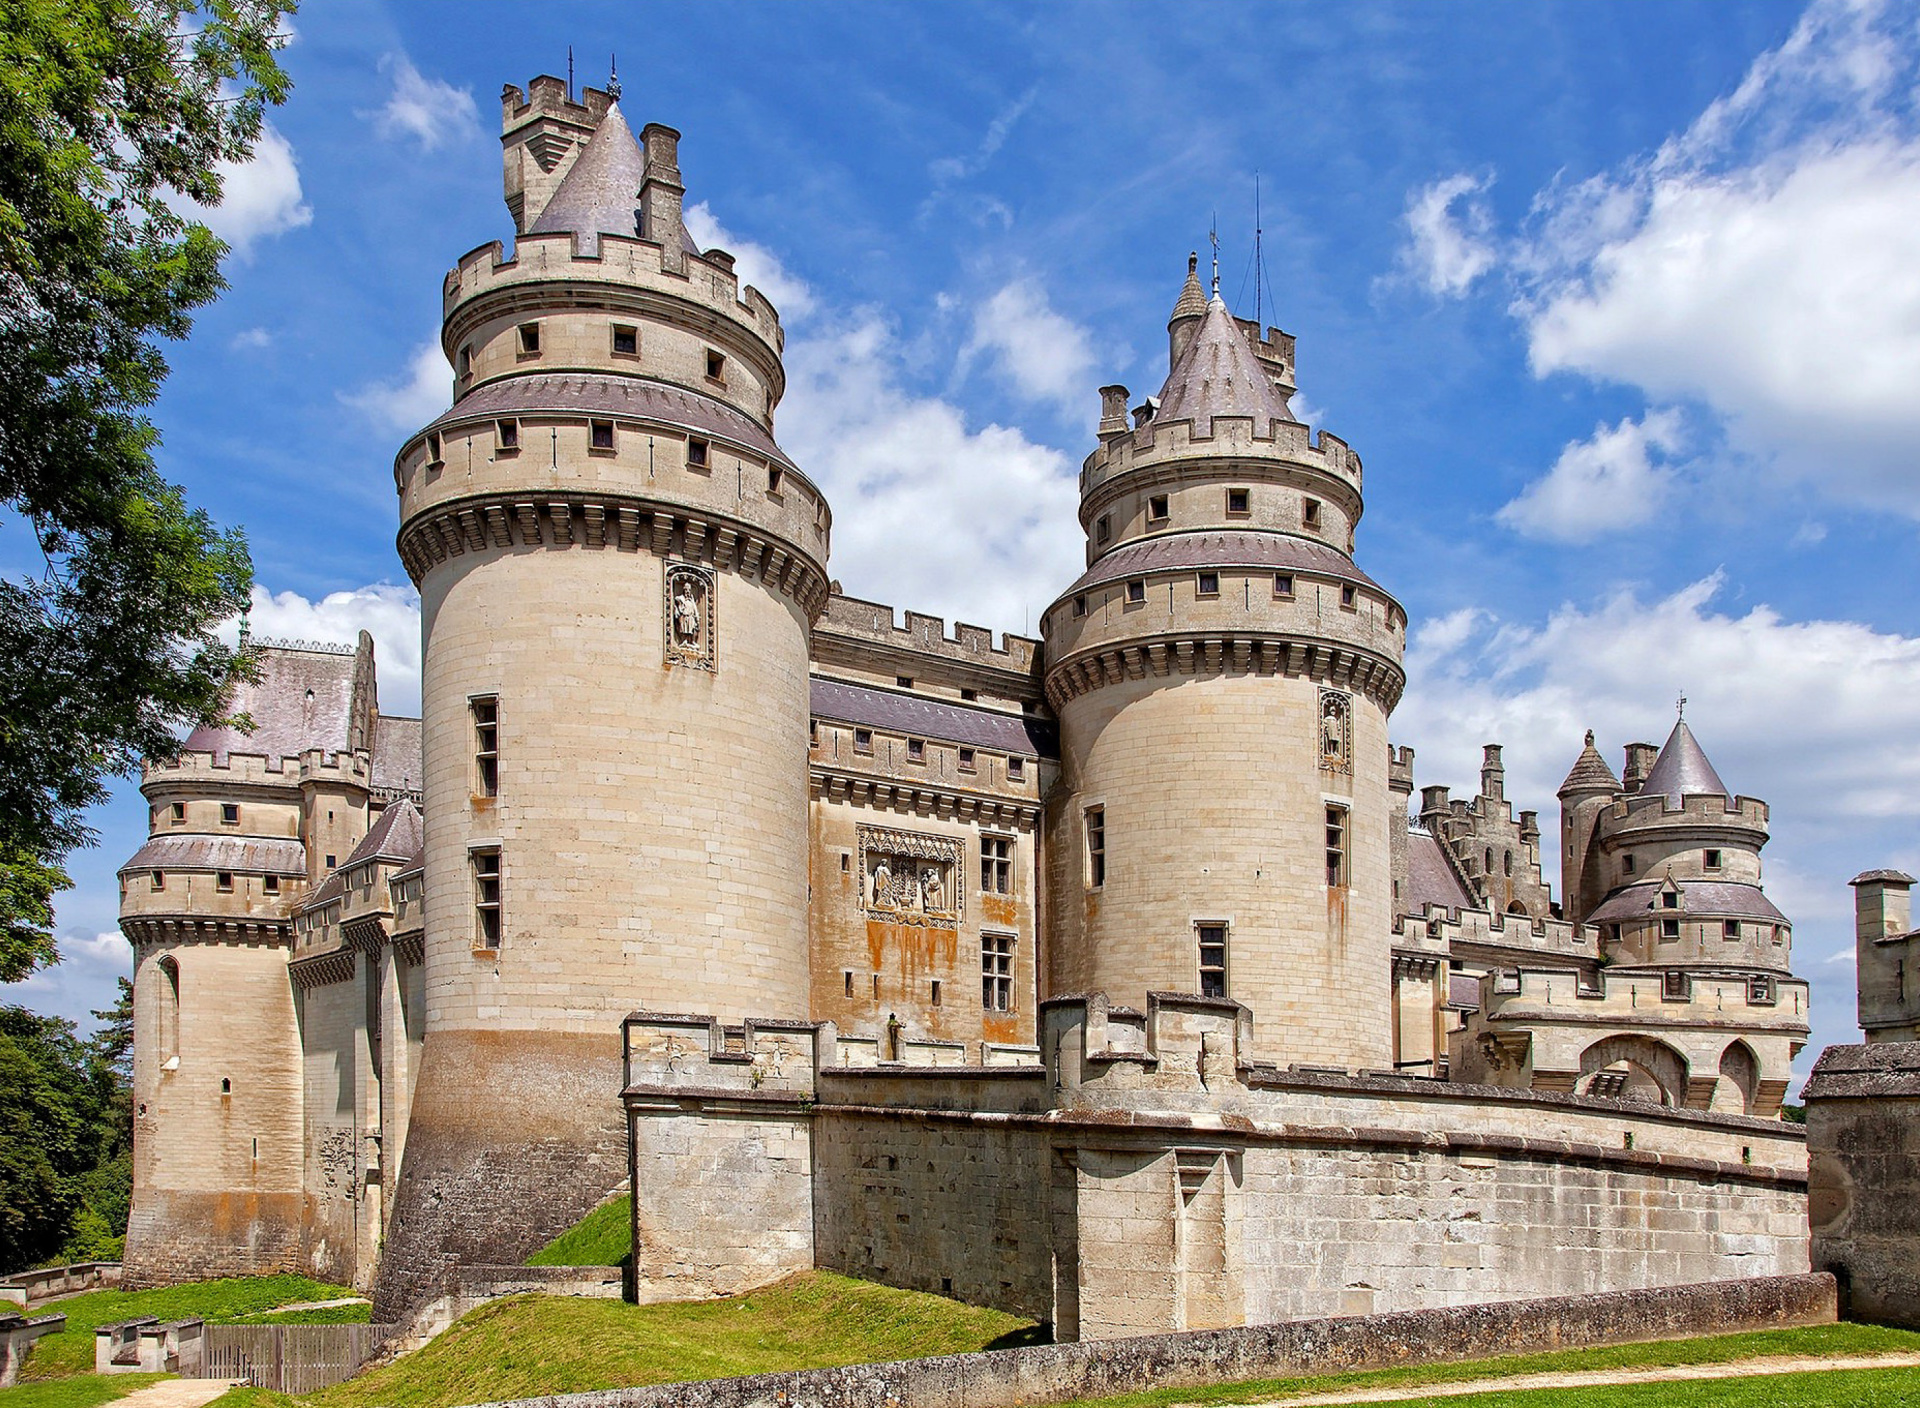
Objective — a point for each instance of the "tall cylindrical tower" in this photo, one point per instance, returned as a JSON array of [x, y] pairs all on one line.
[[618, 570], [1223, 674]]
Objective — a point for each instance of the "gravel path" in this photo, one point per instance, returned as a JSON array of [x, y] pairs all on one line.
[[177, 1393]]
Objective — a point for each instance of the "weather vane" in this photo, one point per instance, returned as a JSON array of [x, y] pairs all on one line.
[[1213, 238], [1680, 707]]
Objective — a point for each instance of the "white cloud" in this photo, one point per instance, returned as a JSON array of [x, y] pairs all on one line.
[[1600, 485], [391, 613], [251, 340], [1765, 262], [403, 406], [1449, 234], [431, 111], [258, 198], [977, 524], [754, 263], [949, 171], [1042, 355]]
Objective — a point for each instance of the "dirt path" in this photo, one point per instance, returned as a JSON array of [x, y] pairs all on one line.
[[316, 1304], [1746, 1368], [177, 1393]]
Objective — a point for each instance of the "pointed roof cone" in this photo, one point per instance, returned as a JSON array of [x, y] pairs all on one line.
[[1193, 298], [1590, 772], [1682, 770], [1218, 375], [600, 194]]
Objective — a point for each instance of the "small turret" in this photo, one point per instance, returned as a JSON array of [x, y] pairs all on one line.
[[1187, 311], [1493, 775]]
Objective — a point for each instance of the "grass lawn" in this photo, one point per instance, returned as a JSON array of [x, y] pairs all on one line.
[[71, 1351], [1844, 1388], [532, 1345], [604, 1237], [76, 1391], [1814, 1340]]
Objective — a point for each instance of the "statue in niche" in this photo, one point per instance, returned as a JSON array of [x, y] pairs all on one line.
[[930, 890], [689, 616], [686, 614], [1336, 729], [882, 884]]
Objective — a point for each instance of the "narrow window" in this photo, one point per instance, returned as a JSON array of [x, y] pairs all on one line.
[[1239, 501], [169, 1024], [463, 364], [1016, 769], [863, 740], [486, 744], [486, 898], [849, 977], [996, 864], [330, 860], [1310, 513], [506, 437], [226, 1085], [935, 1001], [716, 366], [1336, 846], [1731, 928], [697, 454], [223, 881], [229, 813], [1096, 846], [996, 972], [1283, 585], [1157, 509], [1670, 928], [433, 450], [626, 341], [967, 763], [1348, 596], [157, 880], [1626, 865], [602, 432], [1102, 528], [179, 812], [916, 750], [529, 339], [774, 473], [1213, 959], [1506, 859], [1136, 591], [876, 987], [1208, 584], [270, 884], [1712, 860], [1079, 607], [903, 681]]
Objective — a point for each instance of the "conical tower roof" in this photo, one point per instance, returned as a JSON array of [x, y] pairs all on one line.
[[1590, 772], [1218, 375], [1193, 298], [1682, 770], [600, 194]]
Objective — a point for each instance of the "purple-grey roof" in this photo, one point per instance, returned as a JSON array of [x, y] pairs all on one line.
[[1430, 879], [1888, 877], [397, 764], [596, 393], [304, 699], [251, 855], [1192, 302], [1589, 770], [1682, 770], [1715, 899], [331, 888], [931, 718], [600, 194], [1263, 551], [1463, 992], [1218, 375], [396, 836]]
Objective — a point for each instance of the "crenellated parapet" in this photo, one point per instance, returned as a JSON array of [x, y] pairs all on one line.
[[1629, 816], [869, 637], [1483, 929], [1155, 443]]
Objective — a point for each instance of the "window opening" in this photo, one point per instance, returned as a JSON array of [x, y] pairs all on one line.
[[1283, 584], [697, 453], [1336, 846], [996, 972], [486, 744], [996, 864], [602, 434], [1213, 959], [1096, 846], [1157, 509], [529, 339], [1239, 501], [486, 898], [626, 341]]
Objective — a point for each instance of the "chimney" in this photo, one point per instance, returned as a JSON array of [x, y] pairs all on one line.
[[1492, 774], [1113, 411], [1640, 758], [661, 194], [1433, 800]]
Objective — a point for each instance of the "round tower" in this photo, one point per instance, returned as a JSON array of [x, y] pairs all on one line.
[[618, 570], [1223, 674]]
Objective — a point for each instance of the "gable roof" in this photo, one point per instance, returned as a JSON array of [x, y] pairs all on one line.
[[1430, 876], [303, 699], [396, 836]]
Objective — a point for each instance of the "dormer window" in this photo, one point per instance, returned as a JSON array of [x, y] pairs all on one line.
[[1670, 900], [1239, 501]]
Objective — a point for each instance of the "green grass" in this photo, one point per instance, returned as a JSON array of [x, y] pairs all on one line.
[[1841, 1388], [77, 1391], [1826, 1341], [604, 1237], [531, 1345], [217, 1302], [358, 1314]]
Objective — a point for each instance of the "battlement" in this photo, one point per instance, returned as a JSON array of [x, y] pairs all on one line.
[[188, 770], [1513, 931], [1642, 995], [1400, 769], [547, 96], [920, 634], [1182, 1040], [1643, 810], [620, 262], [1287, 442]]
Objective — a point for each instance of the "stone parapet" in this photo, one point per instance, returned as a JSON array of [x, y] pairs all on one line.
[[1863, 1136], [872, 638], [1626, 817]]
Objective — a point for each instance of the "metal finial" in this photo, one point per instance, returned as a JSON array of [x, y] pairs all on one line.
[[569, 73], [1213, 238], [613, 77], [1589, 738], [246, 624], [1680, 707]]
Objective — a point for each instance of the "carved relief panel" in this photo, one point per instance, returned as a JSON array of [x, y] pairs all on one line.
[[1336, 731], [910, 878], [690, 615]]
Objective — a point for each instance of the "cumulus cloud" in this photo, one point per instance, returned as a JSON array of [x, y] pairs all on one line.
[[1449, 234], [977, 523], [1617, 478], [754, 263], [391, 613], [259, 197], [430, 111], [1764, 263], [1040, 354], [404, 405]]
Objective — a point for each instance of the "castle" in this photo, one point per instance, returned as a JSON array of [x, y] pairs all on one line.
[[1103, 976]]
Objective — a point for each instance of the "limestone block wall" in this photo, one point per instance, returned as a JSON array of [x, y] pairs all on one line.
[[341, 1226], [1863, 1142]]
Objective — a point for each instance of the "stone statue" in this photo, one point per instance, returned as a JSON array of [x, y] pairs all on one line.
[[930, 889], [686, 614], [882, 884]]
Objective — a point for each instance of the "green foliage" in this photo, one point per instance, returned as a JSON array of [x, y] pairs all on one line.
[[64, 1139], [358, 1313], [109, 110], [1842, 1388], [556, 1344], [1793, 1114], [604, 1237], [87, 1391], [217, 1302]]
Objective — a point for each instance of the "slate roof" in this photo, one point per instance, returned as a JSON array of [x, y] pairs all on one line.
[[1192, 302], [1589, 770], [1716, 899], [600, 194], [931, 718], [253, 855], [1430, 879], [303, 699], [398, 764], [1682, 770], [397, 836], [1174, 551], [576, 392], [332, 888], [1463, 992], [1892, 877], [1218, 375]]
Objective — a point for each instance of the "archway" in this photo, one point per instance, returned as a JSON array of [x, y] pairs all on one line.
[[1739, 1079], [1630, 1067]]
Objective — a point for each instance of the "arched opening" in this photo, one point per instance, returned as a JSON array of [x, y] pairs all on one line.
[[166, 1030], [1516, 908], [1634, 1068], [1739, 1079]]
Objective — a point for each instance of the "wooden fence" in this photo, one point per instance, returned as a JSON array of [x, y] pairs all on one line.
[[290, 1358]]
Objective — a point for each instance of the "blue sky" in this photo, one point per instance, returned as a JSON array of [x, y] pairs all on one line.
[[1619, 304]]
